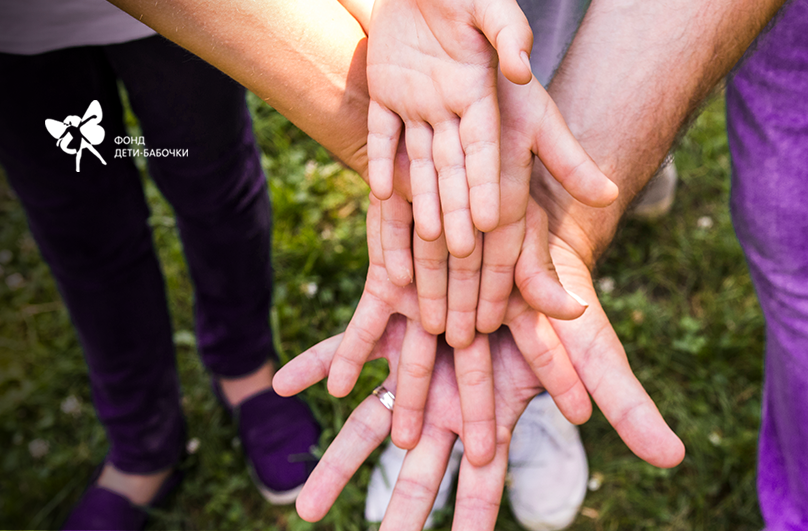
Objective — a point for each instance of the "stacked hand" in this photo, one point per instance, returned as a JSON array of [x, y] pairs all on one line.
[[468, 284], [437, 76], [590, 343], [449, 297], [479, 489]]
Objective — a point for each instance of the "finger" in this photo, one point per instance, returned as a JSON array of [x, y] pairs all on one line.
[[364, 331], [307, 368], [396, 238], [418, 482], [372, 313], [475, 384], [363, 432], [567, 161], [619, 394], [453, 188], [548, 360], [479, 489], [501, 247], [500, 252], [423, 182], [536, 276], [464, 285], [601, 362], [479, 135], [403, 299], [313, 365], [507, 29], [431, 272], [414, 374], [384, 130]]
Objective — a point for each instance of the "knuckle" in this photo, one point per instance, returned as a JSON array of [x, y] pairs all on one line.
[[431, 264], [543, 357], [416, 370], [474, 378]]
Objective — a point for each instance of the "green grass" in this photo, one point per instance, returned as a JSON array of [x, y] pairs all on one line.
[[682, 303]]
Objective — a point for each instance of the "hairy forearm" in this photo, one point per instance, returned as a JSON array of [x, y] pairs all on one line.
[[633, 75], [306, 60]]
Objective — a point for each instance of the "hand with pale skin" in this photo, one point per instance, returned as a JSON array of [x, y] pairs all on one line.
[[436, 72], [381, 299], [479, 489], [531, 125], [457, 300], [570, 357], [533, 130]]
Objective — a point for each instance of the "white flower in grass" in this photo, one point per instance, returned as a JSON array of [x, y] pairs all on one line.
[[715, 438], [38, 448], [705, 222], [595, 481], [310, 168], [193, 445], [71, 406], [589, 512], [309, 289], [184, 338], [606, 285], [15, 281]]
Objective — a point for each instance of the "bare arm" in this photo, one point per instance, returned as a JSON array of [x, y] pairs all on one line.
[[634, 74], [308, 63]]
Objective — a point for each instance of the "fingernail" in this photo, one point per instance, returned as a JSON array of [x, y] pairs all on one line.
[[526, 60], [578, 299]]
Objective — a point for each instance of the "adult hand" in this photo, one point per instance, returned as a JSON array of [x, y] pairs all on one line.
[[381, 299], [479, 488], [589, 341], [532, 126]]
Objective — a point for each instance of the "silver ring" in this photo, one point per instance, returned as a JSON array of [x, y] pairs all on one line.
[[385, 397]]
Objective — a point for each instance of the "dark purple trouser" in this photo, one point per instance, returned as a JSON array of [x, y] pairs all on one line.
[[767, 111], [92, 229]]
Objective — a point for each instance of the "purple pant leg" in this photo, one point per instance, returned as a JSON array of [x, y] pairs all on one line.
[[218, 192], [91, 228], [767, 109]]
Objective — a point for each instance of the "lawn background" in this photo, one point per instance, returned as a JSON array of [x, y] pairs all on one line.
[[677, 292]]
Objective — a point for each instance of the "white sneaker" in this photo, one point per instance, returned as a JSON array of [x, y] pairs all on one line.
[[547, 473], [384, 476], [656, 199], [546, 479]]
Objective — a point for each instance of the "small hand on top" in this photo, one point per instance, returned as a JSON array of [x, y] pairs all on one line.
[[473, 292], [432, 68]]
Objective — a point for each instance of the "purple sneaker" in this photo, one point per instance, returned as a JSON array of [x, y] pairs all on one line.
[[101, 508], [279, 436]]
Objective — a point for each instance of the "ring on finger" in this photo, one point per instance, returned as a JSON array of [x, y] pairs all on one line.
[[385, 397]]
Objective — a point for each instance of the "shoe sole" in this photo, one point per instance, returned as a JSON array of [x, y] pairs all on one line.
[[286, 497]]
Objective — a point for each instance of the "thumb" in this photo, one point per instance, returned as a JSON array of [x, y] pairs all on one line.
[[507, 29]]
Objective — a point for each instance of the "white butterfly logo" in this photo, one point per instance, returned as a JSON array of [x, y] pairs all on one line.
[[74, 134]]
